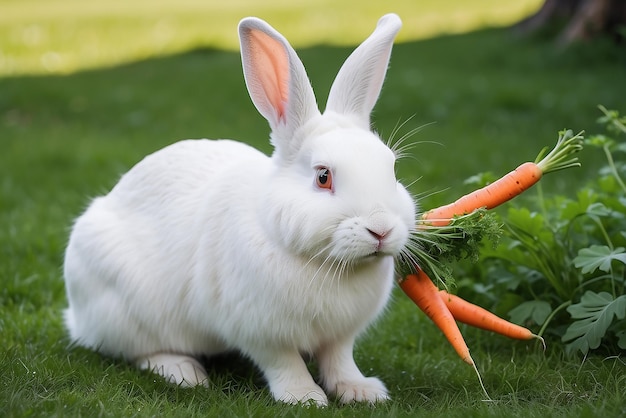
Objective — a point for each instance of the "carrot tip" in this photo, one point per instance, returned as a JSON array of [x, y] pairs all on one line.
[[480, 379], [540, 338]]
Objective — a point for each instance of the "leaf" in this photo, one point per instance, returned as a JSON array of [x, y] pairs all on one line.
[[598, 209], [598, 257], [532, 222], [599, 140], [529, 229], [535, 310], [595, 313], [481, 179]]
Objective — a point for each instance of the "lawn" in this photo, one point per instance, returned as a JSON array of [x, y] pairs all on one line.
[[88, 88]]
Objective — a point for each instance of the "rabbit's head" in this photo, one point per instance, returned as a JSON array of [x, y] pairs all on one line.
[[332, 192]]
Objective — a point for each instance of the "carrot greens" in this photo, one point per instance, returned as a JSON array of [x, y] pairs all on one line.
[[435, 249]]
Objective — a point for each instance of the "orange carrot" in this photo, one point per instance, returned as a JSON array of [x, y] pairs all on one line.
[[513, 183], [474, 315], [490, 196], [425, 294]]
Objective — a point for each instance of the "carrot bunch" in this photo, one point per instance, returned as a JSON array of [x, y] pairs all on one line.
[[445, 309]]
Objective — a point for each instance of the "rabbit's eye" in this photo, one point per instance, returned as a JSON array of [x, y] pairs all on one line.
[[324, 178]]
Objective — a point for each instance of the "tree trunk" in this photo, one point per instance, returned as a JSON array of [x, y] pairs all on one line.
[[584, 19]]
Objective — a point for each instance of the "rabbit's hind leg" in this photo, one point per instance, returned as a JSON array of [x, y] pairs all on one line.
[[180, 369]]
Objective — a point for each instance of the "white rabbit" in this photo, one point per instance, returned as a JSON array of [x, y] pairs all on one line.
[[209, 246]]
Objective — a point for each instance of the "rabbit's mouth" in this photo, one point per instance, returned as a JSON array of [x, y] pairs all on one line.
[[379, 254]]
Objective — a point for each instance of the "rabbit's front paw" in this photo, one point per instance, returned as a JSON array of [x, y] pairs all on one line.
[[306, 395], [367, 389]]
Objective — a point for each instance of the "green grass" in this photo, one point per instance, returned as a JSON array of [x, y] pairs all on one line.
[[68, 132]]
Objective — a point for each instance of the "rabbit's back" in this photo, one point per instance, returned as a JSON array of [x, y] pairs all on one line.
[[131, 253], [176, 175]]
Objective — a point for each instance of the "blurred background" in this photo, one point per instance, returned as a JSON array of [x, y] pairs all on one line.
[[62, 36], [93, 86]]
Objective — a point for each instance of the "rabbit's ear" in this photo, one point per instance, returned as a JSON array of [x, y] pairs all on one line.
[[359, 81], [277, 82]]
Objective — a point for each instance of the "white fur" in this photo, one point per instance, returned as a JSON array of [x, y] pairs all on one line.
[[207, 246]]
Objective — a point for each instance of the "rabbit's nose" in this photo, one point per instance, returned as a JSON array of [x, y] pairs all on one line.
[[379, 235]]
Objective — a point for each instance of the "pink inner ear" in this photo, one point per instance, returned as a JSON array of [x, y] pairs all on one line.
[[272, 69]]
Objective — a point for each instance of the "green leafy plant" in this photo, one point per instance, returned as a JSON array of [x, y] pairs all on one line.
[[561, 264], [593, 315]]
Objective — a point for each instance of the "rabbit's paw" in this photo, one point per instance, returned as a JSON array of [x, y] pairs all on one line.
[[367, 389], [181, 370], [305, 395]]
